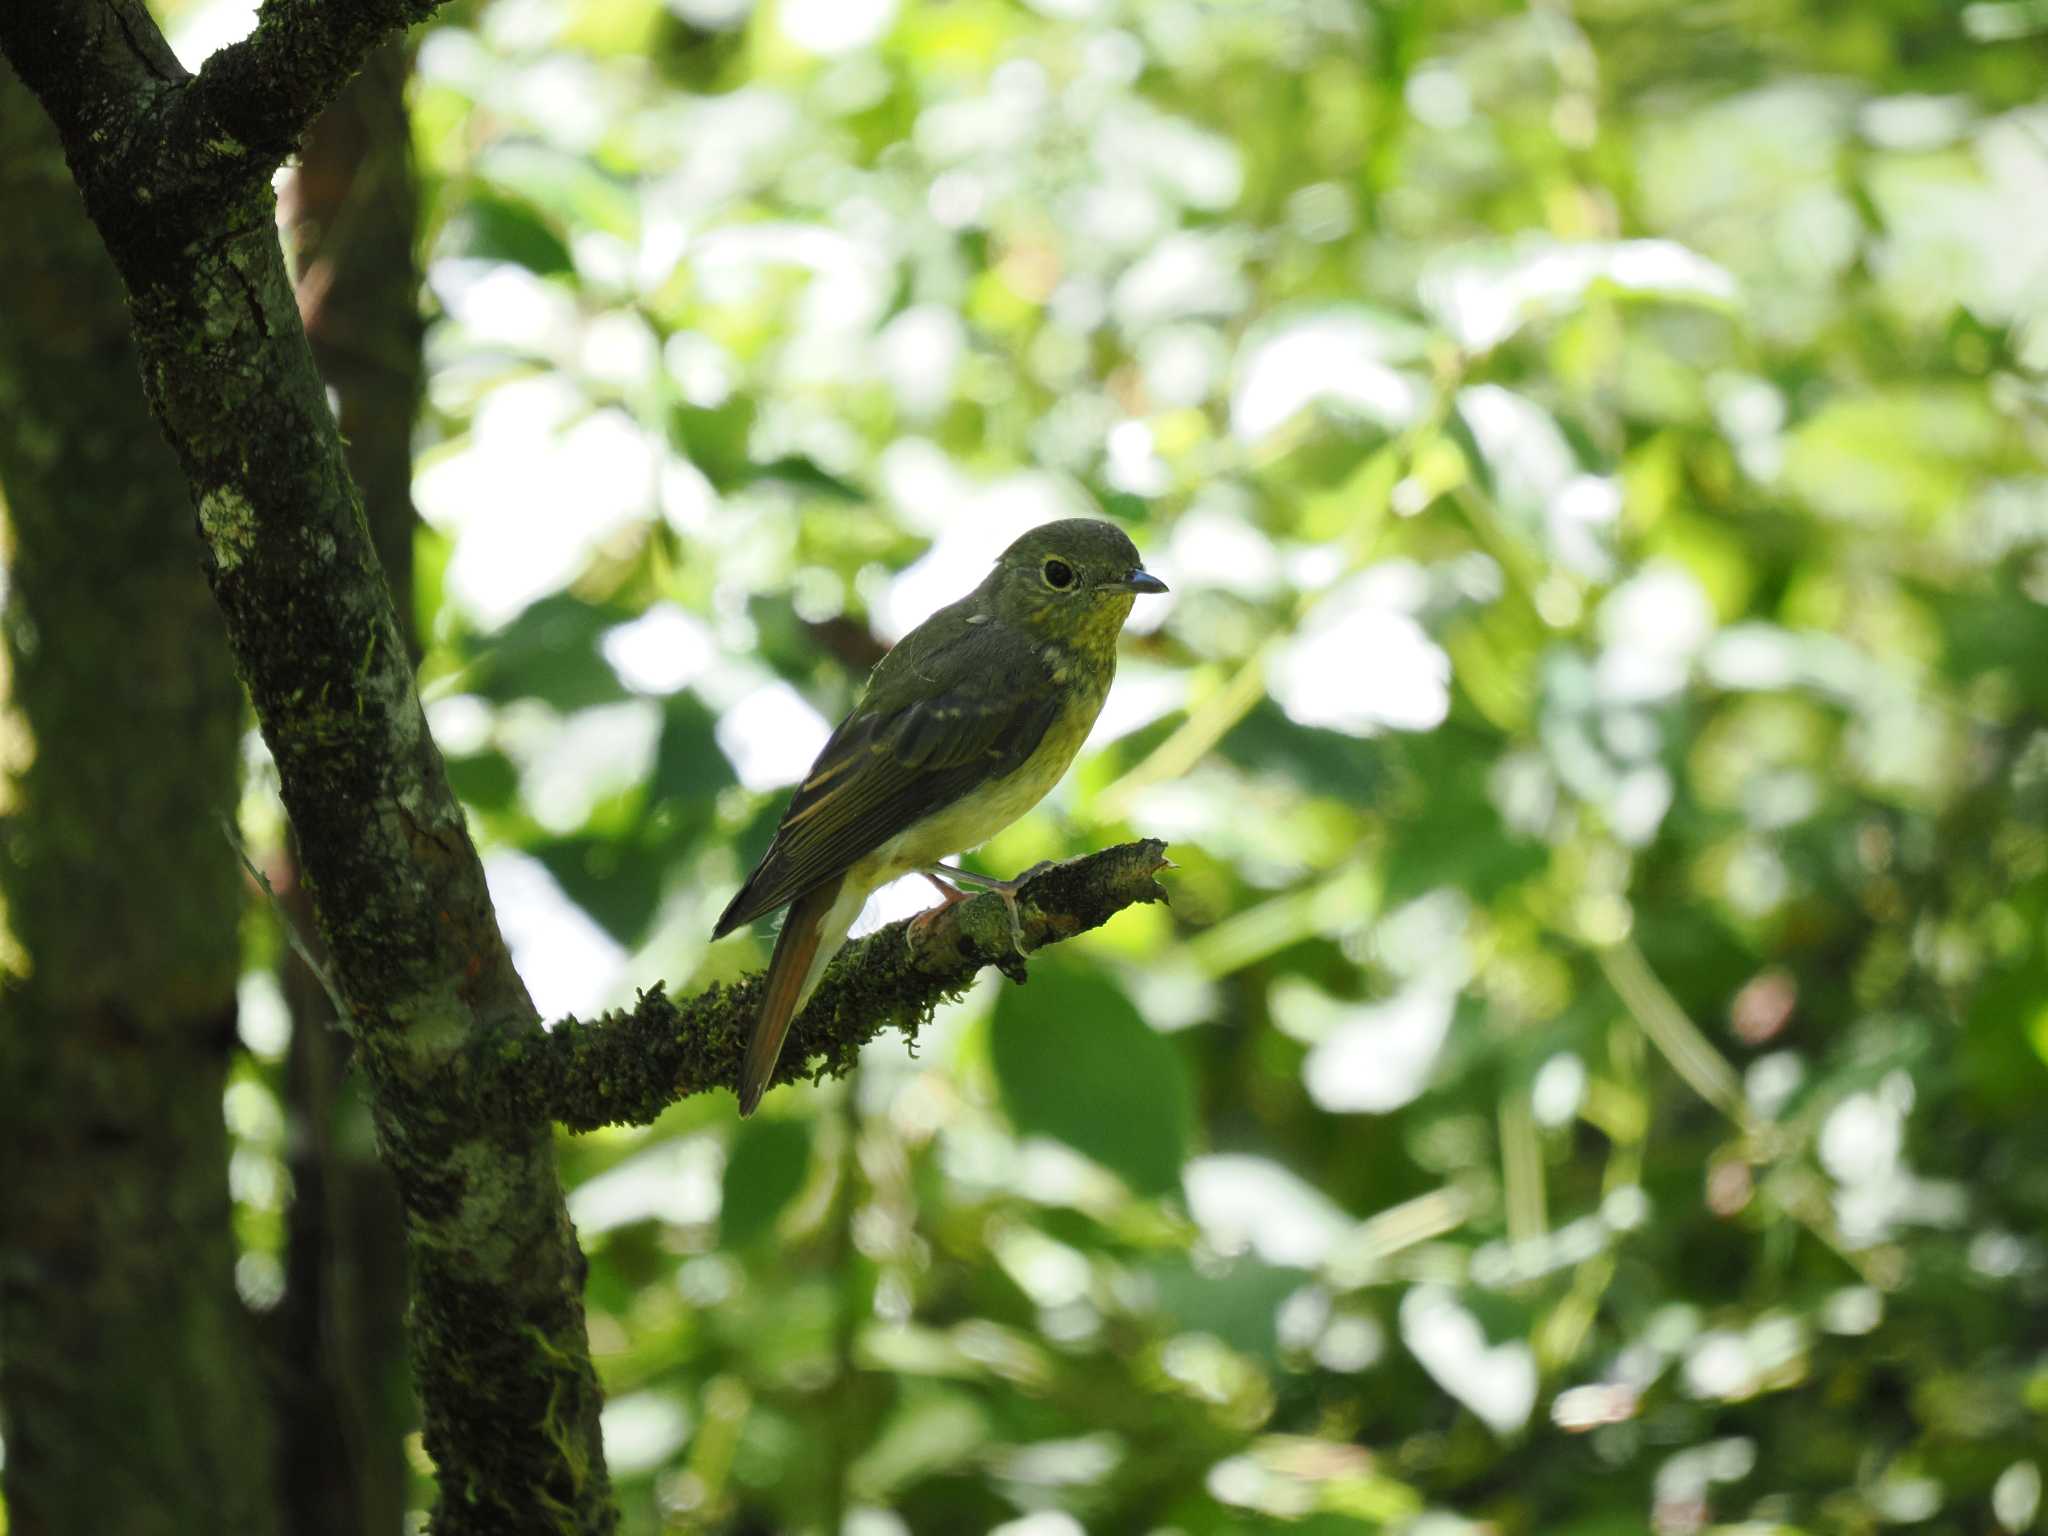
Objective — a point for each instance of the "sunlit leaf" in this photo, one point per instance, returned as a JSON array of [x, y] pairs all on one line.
[[1484, 296], [570, 187]]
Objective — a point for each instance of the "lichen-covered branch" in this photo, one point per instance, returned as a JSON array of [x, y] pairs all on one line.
[[168, 145], [352, 207], [626, 1067], [509, 1395], [252, 101]]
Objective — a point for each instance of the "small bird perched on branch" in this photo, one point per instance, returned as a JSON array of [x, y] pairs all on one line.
[[963, 728]]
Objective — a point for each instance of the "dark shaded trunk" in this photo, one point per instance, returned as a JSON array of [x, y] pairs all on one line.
[[128, 1378], [343, 1396], [352, 210]]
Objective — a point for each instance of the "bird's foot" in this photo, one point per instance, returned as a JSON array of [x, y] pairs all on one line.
[[940, 874], [949, 894]]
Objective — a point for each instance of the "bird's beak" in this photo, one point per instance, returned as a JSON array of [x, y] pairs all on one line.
[[1138, 580]]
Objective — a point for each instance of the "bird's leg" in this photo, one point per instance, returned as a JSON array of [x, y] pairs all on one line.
[[988, 882], [948, 894], [1006, 889]]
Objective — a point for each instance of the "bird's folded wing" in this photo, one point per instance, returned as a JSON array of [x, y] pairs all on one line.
[[971, 711]]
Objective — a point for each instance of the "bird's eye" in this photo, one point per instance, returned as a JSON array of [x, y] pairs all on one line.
[[1059, 575]]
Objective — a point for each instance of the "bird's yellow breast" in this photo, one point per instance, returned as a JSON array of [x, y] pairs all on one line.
[[986, 809]]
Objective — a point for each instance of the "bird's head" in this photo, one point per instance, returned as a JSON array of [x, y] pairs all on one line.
[[1072, 580]]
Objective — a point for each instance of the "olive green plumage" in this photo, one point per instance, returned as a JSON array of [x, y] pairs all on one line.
[[962, 728]]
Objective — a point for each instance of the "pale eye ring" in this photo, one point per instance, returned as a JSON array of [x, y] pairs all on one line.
[[1059, 575]]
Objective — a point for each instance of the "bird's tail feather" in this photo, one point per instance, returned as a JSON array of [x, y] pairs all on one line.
[[791, 973]]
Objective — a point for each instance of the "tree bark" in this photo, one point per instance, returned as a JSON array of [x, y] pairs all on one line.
[[351, 210], [128, 1377], [352, 207], [175, 171]]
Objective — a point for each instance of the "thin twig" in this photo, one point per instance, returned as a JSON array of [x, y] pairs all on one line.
[[343, 1018]]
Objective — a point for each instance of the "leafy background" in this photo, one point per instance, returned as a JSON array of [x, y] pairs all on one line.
[[1589, 1076]]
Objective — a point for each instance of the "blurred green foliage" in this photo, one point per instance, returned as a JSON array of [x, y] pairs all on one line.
[[1590, 1077]]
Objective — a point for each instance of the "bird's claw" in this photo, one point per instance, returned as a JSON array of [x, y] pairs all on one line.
[[1007, 892], [944, 877]]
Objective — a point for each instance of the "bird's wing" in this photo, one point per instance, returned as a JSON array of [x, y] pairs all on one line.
[[948, 716]]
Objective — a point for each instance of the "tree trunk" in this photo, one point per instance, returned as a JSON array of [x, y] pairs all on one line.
[[175, 171], [352, 209], [128, 1379]]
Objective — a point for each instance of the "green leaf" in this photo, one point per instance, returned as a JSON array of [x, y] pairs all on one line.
[[1332, 1523], [1993, 628], [431, 552], [487, 781], [569, 187], [763, 1172], [549, 652], [804, 474], [1075, 1062], [2004, 1049], [716, 440], [689, 770], [618, 883], [933, 1429], [1325, 762], [1240, 1305], [1453, 835], [494, 227], [1906, 453]]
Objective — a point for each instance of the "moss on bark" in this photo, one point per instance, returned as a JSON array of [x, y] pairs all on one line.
[[345, 1398], [626, 1067]]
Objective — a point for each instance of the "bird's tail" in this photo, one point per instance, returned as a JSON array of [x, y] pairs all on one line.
[[792, 972]]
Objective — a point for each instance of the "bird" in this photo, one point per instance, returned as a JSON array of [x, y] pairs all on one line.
[[961, 728]]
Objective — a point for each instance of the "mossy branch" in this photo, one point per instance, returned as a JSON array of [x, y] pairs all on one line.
[[168, 144], [253, 101], [628, 1066]]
